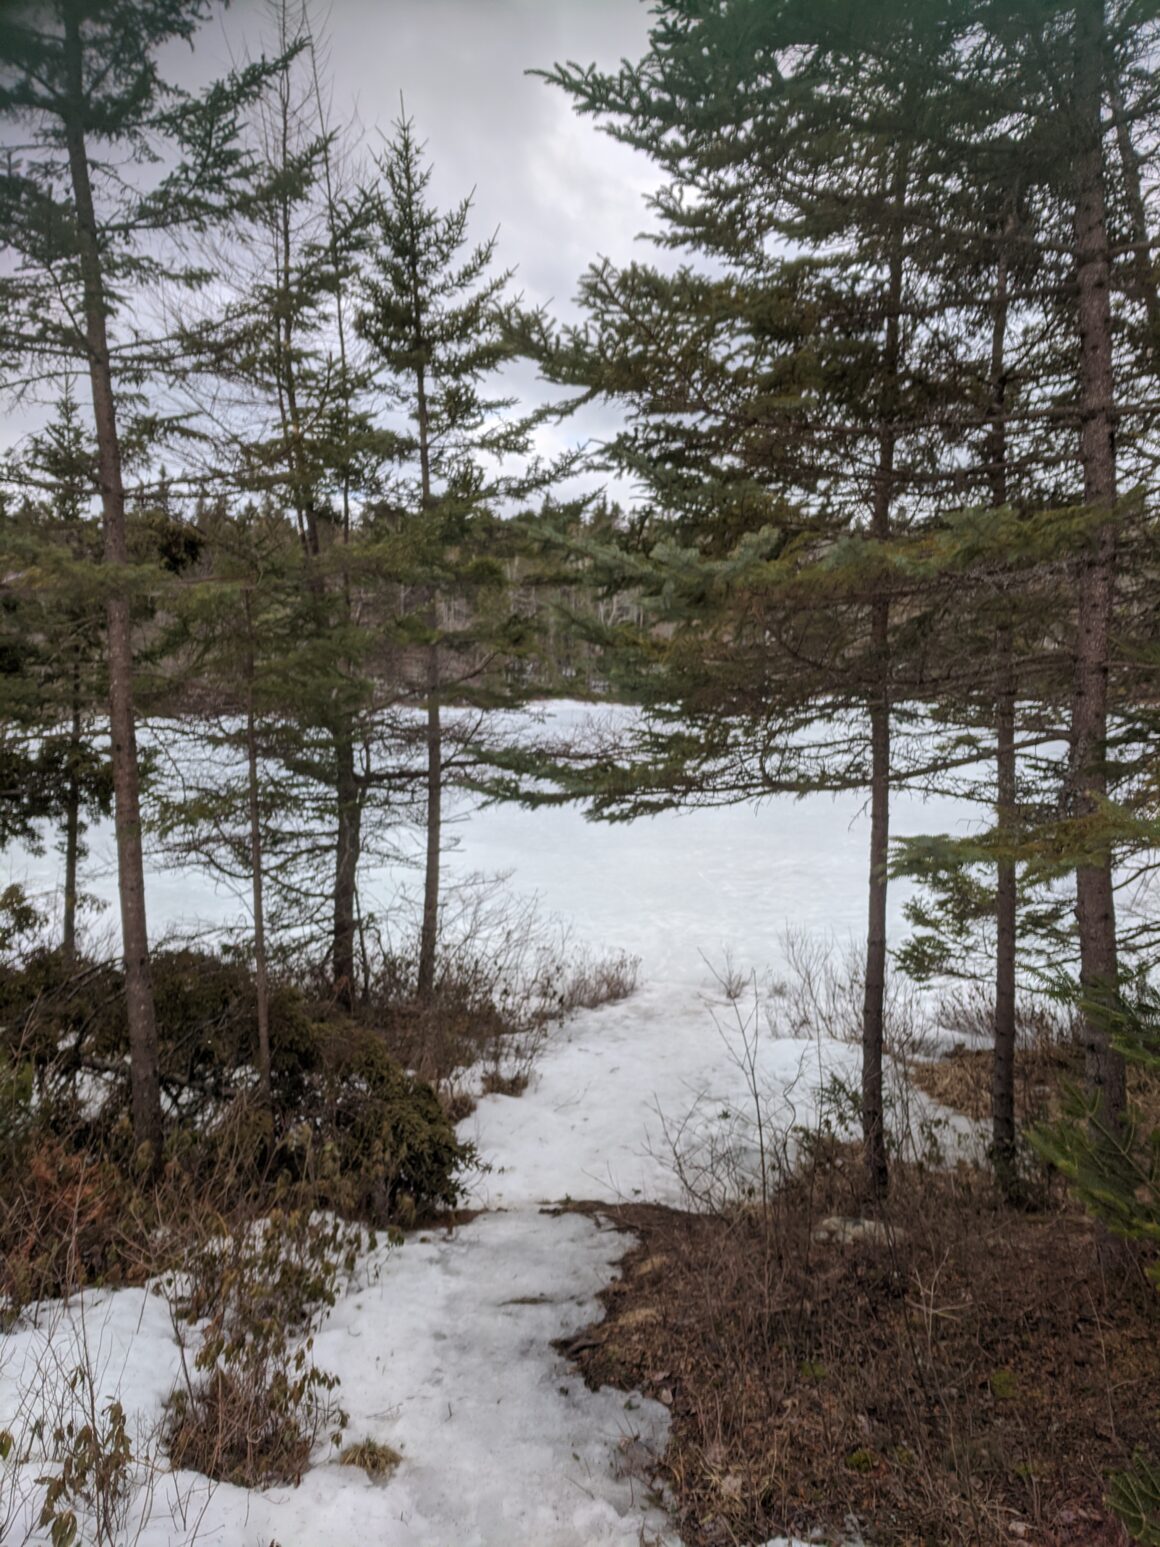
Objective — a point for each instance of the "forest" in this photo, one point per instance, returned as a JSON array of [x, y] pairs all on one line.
[[303, 585]]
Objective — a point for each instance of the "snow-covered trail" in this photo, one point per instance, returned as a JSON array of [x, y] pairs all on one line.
[[445, 1353]]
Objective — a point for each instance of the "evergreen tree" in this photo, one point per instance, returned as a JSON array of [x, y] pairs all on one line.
[[241, 630], [810, 427], [291, 423], [83, 77], [433, 313], [782, 414], [55, 640]]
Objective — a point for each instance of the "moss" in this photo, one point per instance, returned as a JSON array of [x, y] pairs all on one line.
[[1004, 1385]]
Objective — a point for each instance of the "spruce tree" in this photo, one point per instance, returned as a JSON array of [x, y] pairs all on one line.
[[432, 311], [289, 403], [782, 413], [54, 630]]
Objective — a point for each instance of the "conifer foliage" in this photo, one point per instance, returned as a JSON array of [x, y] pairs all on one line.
[[83, 79], [873, 412]]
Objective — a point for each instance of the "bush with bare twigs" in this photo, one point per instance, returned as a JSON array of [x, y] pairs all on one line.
[[881, 1377], [254, 1404], [506, 973], [346, 1127]]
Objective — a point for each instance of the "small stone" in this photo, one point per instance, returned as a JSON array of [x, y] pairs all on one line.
[[846, 1231]]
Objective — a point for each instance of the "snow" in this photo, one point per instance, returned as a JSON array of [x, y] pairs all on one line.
[[444, 1347], [444, 1352]]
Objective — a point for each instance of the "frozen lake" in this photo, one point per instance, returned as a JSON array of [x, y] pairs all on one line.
[[664, 888]]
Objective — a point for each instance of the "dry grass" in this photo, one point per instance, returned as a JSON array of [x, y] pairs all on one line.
[[1044, 1073], [505, 975], [968, 1379], [377, 1461]]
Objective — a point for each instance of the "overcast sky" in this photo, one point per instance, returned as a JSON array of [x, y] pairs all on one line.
[[559, 191]]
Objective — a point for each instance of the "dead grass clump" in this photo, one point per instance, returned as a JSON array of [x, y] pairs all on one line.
[[591, 980], [964, 1376], [496, 1083], [376, 1460], [457, 1104], [234, 1432], [505, 975]]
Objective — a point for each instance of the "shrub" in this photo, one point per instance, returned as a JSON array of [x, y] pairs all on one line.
[[505, 974], [96, 1464], [256, 1404], [347, 1128], [62, 1223], [373, 1140]]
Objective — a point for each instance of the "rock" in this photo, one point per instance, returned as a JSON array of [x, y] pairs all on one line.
[[845, 1231]]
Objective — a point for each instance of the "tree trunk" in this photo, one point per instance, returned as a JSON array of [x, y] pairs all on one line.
[[1095, 898], [1146, 285], [302, 484], [146, 1090], [261, 975], [874, 997], [429, 931], [874, 1001], [346, 865], [1003, 1132], [72, 832], [429, 934]]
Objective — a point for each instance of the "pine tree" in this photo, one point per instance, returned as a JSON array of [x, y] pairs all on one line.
[[54, 629], [782, 413], [289, 402], [241, 629]]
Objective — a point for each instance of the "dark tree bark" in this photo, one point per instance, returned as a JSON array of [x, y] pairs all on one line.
[[1148, 292], [429, 930], [1003, 1132], [1095, 898], [348, 848], [146, 1093], [874, 998], [429, 933], [72, 830], [261, 972]]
